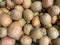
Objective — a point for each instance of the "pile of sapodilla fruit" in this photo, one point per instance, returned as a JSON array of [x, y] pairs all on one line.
[[26, 21]]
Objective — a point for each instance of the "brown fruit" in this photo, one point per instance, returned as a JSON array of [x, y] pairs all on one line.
[[19, 7], [45, 19], [27, 3], [36, 33], [5, 10], [5, 20], [44, 40], [27, 29], [18, 1], [16, 14], [54, 19], [53, 33], [36, 6], [15, 30], [54, 10], [58, 16], [1, 11], [10, 3], [36, 21], [22, 22], [8, 41], [3, 32], [47, 3], [26, 40], [36, 13], [28, 15]]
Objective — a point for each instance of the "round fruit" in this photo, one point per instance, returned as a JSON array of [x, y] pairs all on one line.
[[53, 33], [36, 6], [26, 40], [15, 30], [5, 20]]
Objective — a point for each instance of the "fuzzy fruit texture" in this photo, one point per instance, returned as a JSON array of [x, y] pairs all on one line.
[[45, 40], [47, 3], [26, 40], [5, 20], [8, 41], [3, 32], [16, 14], [45, 19], [54, 10], [15, 30], [28, 15], [27, 29], [36, 21], [36, 33], [53, 33], [10, 3], [36, 6], [27, 3], [18, 1]]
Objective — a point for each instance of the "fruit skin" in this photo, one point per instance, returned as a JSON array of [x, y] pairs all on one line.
[[15, 30], [45, 40], [54, 10], [53, 33], [47, 3], [36, 6], [22, 22], [58, 23], [19, 7], [10, 4], [36, 33], [28, 15], [27, 29], [54, 19], [45, 19], [26, 4], [18, 1], [58, 16], [5, 20], [56, 41], [16, 14], [3, 32], [36, 21], [8, 41], [26, 40]]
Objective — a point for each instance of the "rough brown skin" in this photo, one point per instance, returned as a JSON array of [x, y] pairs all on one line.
[[36, 21], [27, 29], [45, 40], [36, 6], [15, 30], [26, 40], [16, 14], [36, 33], [56, 41], [47, 3], [45, 19], [18, 1], [10, 3], [27, 3], [54, 19], [28, 15], [8, 41], [5, 20], [3, 32], [53, 33], [54, 10]]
